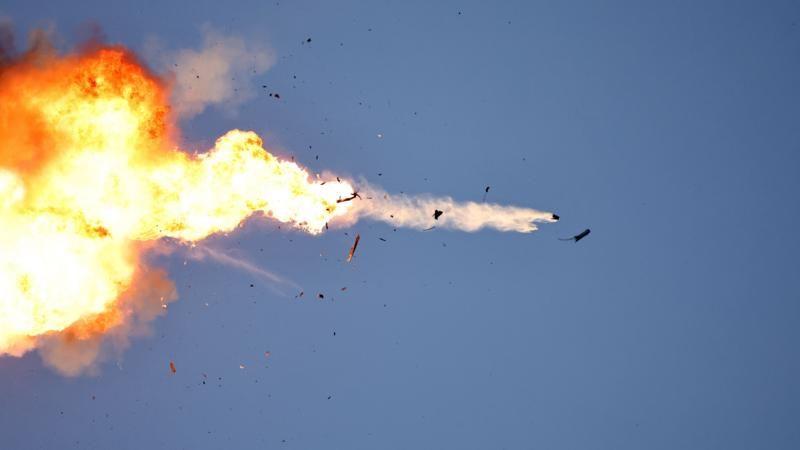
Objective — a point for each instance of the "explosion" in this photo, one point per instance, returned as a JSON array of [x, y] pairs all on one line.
[[91, 178]]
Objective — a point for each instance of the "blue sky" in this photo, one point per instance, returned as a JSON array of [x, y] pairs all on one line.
[[669, 129]]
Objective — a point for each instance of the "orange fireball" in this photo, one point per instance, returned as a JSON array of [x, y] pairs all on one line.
[[89, 175]]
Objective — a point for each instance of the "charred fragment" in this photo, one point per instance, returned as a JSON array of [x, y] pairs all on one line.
[[437, 214], [347, 199], [555, 217], [577, 237], [353, 248]]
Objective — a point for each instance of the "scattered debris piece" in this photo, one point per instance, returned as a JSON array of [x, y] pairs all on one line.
[[241, 366], [437, 214], [321, 295], [353, 248], [577, 237], [556, 217], [267, 354], [382, 239], [353, 196], [485, 193], [172, 367], [428, 229], [344, 288]]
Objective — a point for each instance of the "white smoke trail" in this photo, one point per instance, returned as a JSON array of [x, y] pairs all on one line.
[[200, 252], [417, 212]]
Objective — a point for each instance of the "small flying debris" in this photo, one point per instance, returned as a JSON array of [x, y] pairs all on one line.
[[556, 217], [437, 214], [577, 237], [172, 367], [353, 248], [347, 199]]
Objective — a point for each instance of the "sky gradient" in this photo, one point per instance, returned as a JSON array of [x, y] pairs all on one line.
[[671, 130]]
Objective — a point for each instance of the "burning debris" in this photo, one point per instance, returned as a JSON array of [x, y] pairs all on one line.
[[353, 248], [352, 196], [172, 367], [577, 237], [437, 214]]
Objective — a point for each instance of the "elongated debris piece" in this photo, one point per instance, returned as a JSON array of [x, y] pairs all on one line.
[[353, 248]]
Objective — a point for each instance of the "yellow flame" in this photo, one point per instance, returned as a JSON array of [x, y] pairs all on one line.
[[88, 172]]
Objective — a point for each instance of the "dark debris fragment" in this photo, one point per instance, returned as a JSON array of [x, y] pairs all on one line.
[[577, 237], [353, 248]]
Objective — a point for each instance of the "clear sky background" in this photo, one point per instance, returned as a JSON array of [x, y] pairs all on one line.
[[671, 129]]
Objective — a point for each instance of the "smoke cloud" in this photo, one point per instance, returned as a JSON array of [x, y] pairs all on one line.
[[218, 73]]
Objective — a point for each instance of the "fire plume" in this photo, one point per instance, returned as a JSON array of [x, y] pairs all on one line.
[[91, 178], [89, 174]]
